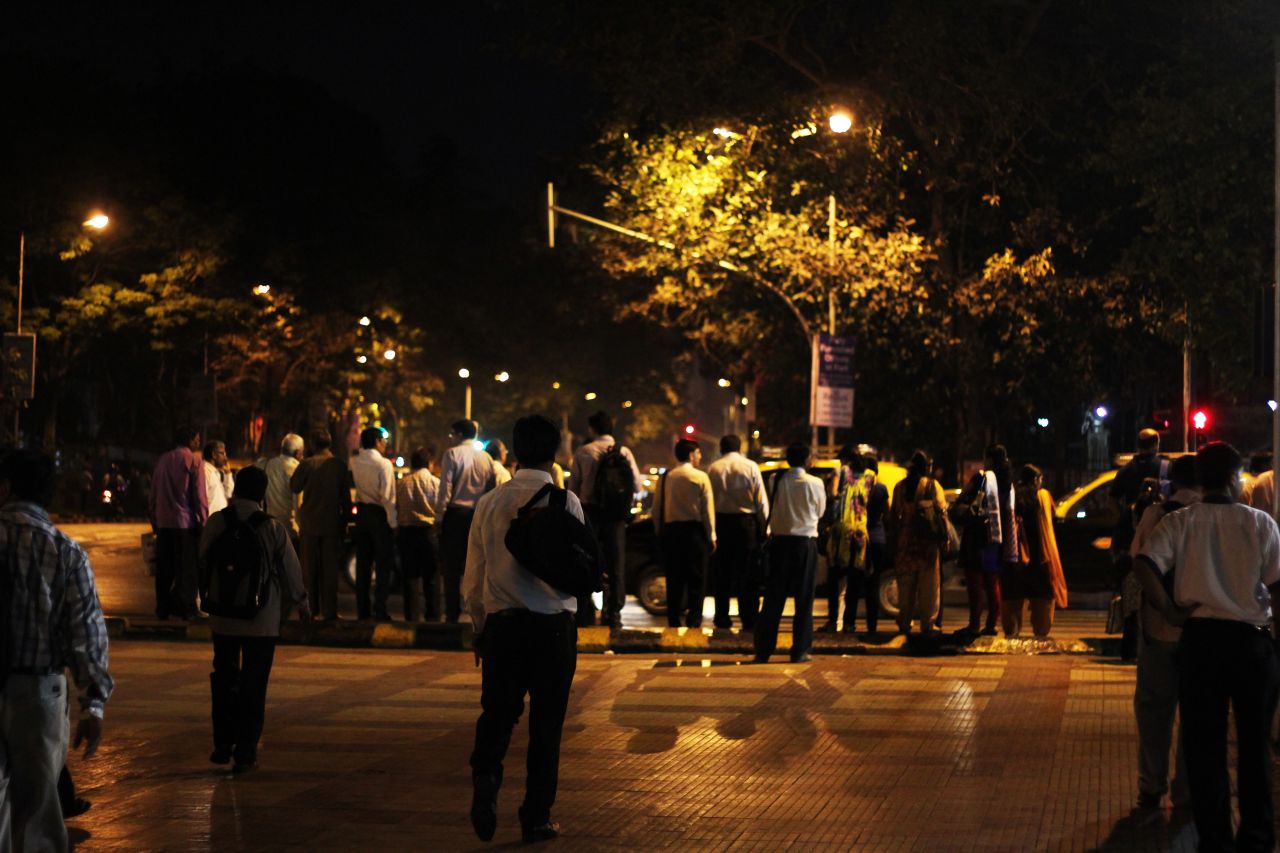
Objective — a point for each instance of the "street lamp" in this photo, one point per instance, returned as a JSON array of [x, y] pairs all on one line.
[[389, 355], [360, 359], [262, 289], [840, 121], [502, 377], [466, 409], [98, 221], [590, 395], [364, 321]]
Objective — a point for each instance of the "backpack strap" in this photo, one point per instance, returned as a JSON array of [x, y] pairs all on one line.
[[549, 487]]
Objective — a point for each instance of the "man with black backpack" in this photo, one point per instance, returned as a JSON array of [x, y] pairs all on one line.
[[247, 569], [525, 633], [605, 478], [1129, 485]]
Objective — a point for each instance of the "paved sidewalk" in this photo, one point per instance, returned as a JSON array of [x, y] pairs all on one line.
[[367, 750]]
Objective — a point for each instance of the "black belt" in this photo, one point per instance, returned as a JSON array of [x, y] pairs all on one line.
[[1233, 623], [39, 671]]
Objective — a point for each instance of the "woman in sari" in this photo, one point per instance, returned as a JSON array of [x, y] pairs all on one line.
[[1037, 577]]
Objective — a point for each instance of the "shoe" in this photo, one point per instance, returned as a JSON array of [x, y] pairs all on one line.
[[827, 628], [221, 755], [988, 632], [760, 659], [382, 616], [804, 658], [543, 832], [75, 808], [1149, 801], [484, 805], [244, 766]]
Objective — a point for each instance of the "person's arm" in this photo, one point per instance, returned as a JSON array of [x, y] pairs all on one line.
[[659, 497], [301, 474], [85, 633], [1154, 594], [445, 492], [636, 480], [291, 572], [575, 476], [709, 511], [474, 575], [387, 492], [759, 495], [198, 496], [940, 496]]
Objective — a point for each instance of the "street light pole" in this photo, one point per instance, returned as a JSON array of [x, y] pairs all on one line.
[[831, 291], [22, 257]]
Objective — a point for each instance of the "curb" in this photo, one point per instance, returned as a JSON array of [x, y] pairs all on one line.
[[600, 640]]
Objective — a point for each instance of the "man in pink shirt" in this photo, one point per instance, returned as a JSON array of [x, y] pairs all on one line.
[[178, 507]]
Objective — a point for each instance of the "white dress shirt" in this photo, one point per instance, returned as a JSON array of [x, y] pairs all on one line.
[[586, 459], [500, 474], [1261, 493], [281, 502], [1224, 556], [375, 481], [493, 580], [465, 475], [214, 490], [799, 502], [737, 486], [684, 494], [415, 497]]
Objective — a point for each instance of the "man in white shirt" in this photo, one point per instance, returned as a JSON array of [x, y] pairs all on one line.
[[684, 517], [1225, 558], [798, 503], [282, 503], [1155, 696], [215, 461], [608, 508], [526, 639], [498, 453], [415, 534], [741, 510], [375, 482], [465, 475]]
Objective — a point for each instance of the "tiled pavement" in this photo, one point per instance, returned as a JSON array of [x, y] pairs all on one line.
[[367, 750]]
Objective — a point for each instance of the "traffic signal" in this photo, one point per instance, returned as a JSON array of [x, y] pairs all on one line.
[[1200, 420]]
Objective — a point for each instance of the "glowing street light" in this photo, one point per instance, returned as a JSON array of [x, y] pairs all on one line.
[[389, 355], [361, 359], [724, 383], [745, 401], [364, 321], [590, 395], [840, 121], [1101, 412], [1043, 423], [626, 404], [464, 374], [98, 221], [466, 408], [502, 377], [555, 386], [262, 289]]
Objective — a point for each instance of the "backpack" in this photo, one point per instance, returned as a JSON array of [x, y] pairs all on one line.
[[554, 546], [236, 578], [614, 485]]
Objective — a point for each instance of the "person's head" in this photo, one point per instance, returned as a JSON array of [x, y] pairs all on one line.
[[535, 440], [186, 436], [291, 446], [919, 464], [371, 438], [1183, 472], [319, 441], [497, 450], [601, 423], [251, 484], [215, 453], [730, 444], [798, 455], [1218, 467], [29, 475], [1148, 441], [997, 457], [1260, 463], [1030, 475], [687, 450], [420, 458], [464, 430]]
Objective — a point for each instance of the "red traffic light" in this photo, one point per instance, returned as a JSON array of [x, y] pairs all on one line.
[[689, 429], [1200, 419]]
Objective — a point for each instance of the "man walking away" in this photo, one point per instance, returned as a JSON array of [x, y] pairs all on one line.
[[799, 502], [1146, 464], [526, 640], [498, 453], [215, 460], [245, 645], [604, 476], [321, 480], [684, 518], [282, 503], [178, 508], [1155, 697], [465, 475], [741, 509], [51, 620], [1225, 559], [415, 534], [375, 483]]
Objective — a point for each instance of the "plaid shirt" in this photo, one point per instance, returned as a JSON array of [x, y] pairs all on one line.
[[49, 605]]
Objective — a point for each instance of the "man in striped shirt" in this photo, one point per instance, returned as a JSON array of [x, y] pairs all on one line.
[[50, 619]]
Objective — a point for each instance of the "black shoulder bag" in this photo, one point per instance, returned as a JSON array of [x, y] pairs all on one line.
[[553, 545], [760, 560]]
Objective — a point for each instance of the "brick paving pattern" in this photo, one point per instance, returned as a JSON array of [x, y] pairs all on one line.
[[367, 750]]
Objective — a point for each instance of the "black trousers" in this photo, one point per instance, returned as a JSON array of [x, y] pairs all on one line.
[[685, 554], [455, 531], [1223, 663], [418, 561], [612, 538], [177, 555], [534, 654], [374, 545], [793, 560], [858, 586], [737, 537], [241, 667]]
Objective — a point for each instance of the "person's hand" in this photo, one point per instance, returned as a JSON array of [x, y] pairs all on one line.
[[475, 648], [713, 546], [88, 732], [304, 613]]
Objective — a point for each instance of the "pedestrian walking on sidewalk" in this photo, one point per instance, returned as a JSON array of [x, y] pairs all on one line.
[[737, 489], [1155, 697], [178, 507], [325, 508], [1225, 561], [50, 620], [799, 501], [526, 642], [684, 515], [916, 550], [244, 543], [466, 474]]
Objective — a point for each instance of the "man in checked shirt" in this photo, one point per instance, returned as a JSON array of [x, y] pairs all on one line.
[[50, 619]]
